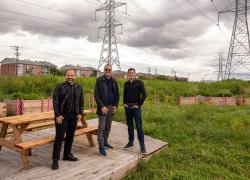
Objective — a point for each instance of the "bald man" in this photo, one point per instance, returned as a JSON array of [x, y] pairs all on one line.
[[68, 109]]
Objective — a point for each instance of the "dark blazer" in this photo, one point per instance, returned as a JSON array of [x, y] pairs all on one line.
[[101, 95], [61, 94]]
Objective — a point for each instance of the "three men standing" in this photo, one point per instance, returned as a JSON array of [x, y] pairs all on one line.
[[107, 99], [68, 109], [133, 98]]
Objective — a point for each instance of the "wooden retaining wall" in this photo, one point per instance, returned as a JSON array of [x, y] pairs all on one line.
[[3, 109], [219, 101]]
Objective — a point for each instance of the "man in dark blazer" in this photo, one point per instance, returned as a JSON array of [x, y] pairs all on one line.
[[107, 99], [68, 109]]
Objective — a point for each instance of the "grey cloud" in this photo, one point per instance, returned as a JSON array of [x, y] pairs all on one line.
[[168, 29]]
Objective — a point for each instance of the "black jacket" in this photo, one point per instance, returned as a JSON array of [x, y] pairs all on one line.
[[134, 92], [101, 96], [60, 97]]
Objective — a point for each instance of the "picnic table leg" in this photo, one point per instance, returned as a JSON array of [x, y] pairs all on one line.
[[89, 135], [24, 157], [18, 139], [3, 132]]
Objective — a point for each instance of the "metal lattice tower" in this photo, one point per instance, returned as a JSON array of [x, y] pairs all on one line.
[[109, 52], [238, 60]]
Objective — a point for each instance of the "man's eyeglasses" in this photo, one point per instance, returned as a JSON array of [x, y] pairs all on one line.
[[107, 70]]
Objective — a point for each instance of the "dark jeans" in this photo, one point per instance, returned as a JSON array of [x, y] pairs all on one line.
[[131, 115], [68, 126]]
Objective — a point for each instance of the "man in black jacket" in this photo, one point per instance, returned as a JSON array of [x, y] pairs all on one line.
[[133, 98], [107, 100], [68, 109]]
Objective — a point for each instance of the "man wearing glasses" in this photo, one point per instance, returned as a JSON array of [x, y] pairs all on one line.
[[107, 99]]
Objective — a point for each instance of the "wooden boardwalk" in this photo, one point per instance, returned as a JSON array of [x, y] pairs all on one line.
[[116, 165]]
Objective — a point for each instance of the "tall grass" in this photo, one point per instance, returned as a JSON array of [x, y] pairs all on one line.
[[30, 87], [205, 142]]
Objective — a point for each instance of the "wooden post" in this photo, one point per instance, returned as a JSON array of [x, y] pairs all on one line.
[[42, 105], [93, 104], [17, 106], [22, 107], [48, 103]]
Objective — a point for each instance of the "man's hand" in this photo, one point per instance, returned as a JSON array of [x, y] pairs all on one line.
[[114, 109], [79, 117], [125, 105], [135, 106], [104, 110], [59, 119]]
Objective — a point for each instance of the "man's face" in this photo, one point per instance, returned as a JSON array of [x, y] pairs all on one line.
[[70, 76], [131, 75], [108, 71]]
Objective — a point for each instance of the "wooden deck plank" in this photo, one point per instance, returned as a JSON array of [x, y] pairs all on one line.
[[90, 165]]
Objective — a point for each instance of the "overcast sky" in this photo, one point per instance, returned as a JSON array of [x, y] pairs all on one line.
[[161, 34]]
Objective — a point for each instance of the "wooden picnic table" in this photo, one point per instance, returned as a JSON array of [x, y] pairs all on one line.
[[19, 124]]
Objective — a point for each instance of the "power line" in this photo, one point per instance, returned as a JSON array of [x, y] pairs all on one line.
[[215, 7], [211, 20], [204, 14], [50, 53], [45, 19], [44, 52], [137, 6], [40, 28], [52, 9]]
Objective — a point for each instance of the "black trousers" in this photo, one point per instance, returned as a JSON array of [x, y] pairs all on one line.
[[68, 126]]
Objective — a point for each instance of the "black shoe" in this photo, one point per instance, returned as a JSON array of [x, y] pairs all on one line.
[[102, 151], [108, 146], [70, 157], [55, 165], [129, 145], [143, 150]]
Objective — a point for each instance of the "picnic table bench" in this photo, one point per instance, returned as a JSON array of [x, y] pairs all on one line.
[[15, 126]]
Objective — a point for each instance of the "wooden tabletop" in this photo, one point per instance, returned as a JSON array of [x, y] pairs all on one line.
[[29, 118]]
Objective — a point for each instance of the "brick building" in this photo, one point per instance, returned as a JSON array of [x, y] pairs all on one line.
[[13, 67], [81, 71]]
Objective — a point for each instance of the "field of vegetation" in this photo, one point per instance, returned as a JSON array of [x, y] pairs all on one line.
[[205, 142], [31, 87]]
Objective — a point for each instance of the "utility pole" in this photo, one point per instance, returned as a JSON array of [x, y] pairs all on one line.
[[238, 60], [156, 70], [17, 54], [109, 53], [220, 70], [149, 70]]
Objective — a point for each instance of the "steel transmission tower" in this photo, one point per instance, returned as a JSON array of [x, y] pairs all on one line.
[[109, 52], [238, 60]]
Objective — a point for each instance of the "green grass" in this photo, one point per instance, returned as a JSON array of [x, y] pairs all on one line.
[[30, 87], [205, 142]]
